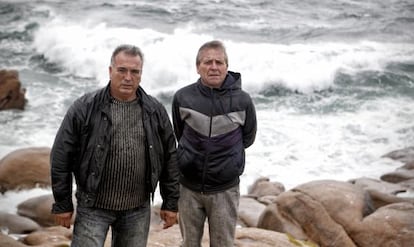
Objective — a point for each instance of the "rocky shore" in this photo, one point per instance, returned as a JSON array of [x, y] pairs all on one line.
[[362, 212]]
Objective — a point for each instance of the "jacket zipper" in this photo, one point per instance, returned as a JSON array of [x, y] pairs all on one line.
[[209, 136]]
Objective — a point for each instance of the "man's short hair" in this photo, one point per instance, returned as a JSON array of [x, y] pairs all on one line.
[[214, 44], [129, 50]]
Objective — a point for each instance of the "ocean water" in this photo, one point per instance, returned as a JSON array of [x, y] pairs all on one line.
[[333, 81]]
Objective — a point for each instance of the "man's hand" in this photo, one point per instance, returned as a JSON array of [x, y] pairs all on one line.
[[64, 219], [169, 218]]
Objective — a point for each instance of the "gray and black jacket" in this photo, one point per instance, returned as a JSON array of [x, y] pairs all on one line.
[[82, 145], [213, 127]]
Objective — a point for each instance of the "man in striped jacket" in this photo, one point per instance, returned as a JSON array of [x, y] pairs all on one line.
[[214, 121]]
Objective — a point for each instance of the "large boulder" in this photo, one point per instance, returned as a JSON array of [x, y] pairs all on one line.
[[25, 169], [38, 209], [16, 224], [334, 213], [11, 92], [404, 175], [6, 240], [249, 211], [271, 219], [344, 202], [255, 237], [56, 236], [397, 176], [264, 187], [385, 187], [261, 193], [245, 237], [381, 192], [313, 213], [391, 225], [405, 155]]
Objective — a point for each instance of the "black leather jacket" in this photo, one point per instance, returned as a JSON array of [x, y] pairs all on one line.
[[82, 143]]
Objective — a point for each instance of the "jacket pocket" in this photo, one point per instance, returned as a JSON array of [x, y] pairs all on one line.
[[190, 162], [227, 166]]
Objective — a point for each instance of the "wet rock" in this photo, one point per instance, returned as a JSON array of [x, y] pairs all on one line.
[[391, 225], [38, 209], [25, 169], [405, 155], [264, 187], [398, 176], [57, 236], [16, 224], [8, 241], [250, 211]]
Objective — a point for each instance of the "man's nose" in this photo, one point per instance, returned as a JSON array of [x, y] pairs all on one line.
[[128, 75]]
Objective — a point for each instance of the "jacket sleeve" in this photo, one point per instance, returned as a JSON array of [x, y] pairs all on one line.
[[169, 185], [61, 161], [250, 126]]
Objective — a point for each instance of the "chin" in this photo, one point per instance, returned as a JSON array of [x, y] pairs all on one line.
[[215, 84]]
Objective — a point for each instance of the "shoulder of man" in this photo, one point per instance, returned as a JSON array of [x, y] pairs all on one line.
[[149, 101], [87, 100], [188, 89], [92, 96]]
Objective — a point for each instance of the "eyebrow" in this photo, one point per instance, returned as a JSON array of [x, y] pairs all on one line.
[[126, 69], [212, 59]]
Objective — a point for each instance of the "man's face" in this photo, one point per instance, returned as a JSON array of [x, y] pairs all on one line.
[[212, 68], [125, 75]]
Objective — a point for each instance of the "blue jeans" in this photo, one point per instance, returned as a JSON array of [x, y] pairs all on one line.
[[129, 227]]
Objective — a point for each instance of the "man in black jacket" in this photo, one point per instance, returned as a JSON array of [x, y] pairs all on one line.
[[118, 143], [214, 121]]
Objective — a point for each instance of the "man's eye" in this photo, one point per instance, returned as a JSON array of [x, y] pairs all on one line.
[[134, 72]]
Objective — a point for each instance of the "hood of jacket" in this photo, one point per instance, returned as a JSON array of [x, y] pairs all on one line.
[[231, 83]]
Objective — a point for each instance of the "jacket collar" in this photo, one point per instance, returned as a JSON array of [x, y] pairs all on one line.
[[231, 82], [143, 98]]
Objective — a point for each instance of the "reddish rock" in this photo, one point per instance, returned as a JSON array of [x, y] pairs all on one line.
[[11, 92]]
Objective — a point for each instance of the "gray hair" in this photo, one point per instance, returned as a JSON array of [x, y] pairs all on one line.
[[214, 44], [128, 49]]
